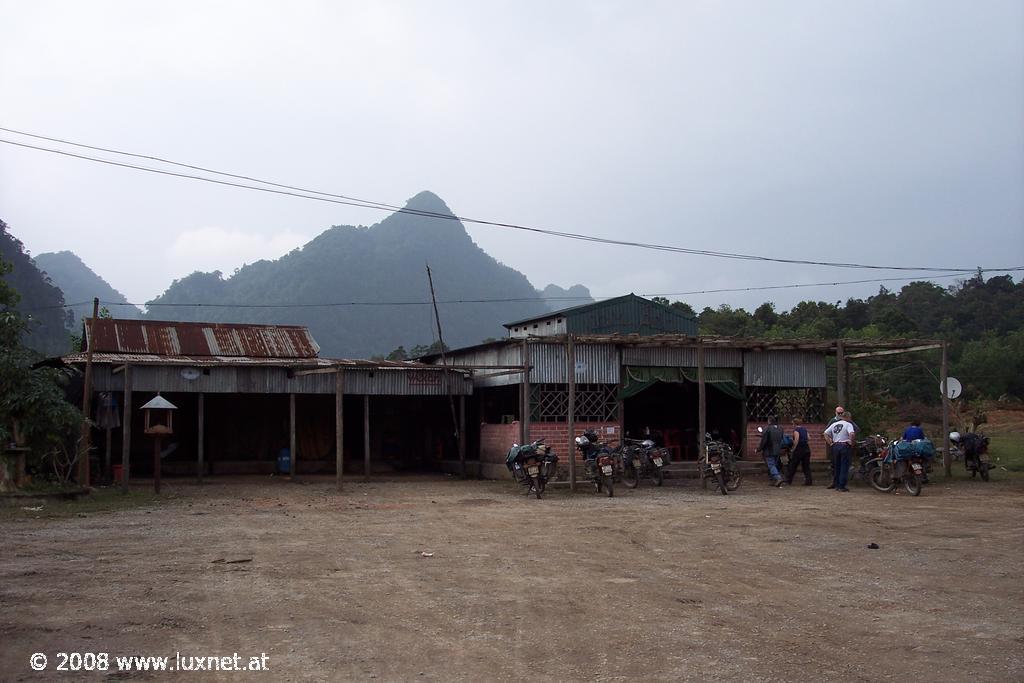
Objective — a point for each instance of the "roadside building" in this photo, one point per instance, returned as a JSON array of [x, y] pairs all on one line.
[[245, 393]]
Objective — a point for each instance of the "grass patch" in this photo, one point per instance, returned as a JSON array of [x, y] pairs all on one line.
[[99, 501], [1007, 450]]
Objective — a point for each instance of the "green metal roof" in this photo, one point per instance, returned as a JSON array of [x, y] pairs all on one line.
[[623, 315]]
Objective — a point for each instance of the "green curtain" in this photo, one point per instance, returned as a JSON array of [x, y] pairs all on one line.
[[637, 378]]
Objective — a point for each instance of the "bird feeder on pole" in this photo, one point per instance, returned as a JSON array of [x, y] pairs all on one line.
[[159, 416]]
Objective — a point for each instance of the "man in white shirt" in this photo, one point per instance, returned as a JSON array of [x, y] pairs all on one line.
[[840, 436]]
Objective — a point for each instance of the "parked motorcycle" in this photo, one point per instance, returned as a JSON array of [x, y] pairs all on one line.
[[905, 462], [642, 459], [598, 462], [532, 465], [870, 452], [974, 450], [718, 463]]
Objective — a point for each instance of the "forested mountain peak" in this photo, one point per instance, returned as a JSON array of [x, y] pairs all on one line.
[[81, 284], [39, 300], [359, 288]]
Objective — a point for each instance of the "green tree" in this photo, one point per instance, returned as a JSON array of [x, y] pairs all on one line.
[[33, 410]]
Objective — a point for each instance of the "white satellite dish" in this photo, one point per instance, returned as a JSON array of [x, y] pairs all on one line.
[[953, 387]]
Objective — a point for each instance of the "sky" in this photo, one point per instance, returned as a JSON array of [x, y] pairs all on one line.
[[886, 133]]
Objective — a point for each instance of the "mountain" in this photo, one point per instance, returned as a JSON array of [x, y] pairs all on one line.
[[80, 285], [40, 300], [359, 266], [557, 298]]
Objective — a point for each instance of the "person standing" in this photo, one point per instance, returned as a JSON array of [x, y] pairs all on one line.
[[913, 432], [801, 454], [771, 449], [840, 436]]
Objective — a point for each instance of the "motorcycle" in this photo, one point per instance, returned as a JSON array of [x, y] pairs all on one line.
[[870, 452], [974, 450], [532, 465], [905, 462], [718, 462], [599, 462], [642, 459]]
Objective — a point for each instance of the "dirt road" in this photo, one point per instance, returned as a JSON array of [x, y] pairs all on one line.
[[662, 584]]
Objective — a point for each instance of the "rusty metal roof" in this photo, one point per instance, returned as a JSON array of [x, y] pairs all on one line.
[[175, 339], [243, 361]]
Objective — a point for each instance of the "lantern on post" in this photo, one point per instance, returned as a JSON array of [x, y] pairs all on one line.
[[159, 418]]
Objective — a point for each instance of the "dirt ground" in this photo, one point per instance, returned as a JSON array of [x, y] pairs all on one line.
[[664, 584]]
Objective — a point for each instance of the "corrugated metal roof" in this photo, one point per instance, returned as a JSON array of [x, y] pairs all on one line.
[[175, 339], [241, 361], [622, 314]]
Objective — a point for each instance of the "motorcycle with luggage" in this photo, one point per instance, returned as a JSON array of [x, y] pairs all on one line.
[[906, 463], [718, 463], [532, 466], [642, 459], [973, 448], [598, 462]]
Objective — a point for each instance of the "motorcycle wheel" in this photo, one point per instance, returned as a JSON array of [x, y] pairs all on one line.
[[983, 468], [721, 484], [609, 487], [538, 486], [733, 482], [658, 476], [597, 484], [630, 477], [876, 481], [912, 482]]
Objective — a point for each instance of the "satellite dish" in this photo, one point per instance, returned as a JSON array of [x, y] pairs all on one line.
[[953, 387], [191, 373]]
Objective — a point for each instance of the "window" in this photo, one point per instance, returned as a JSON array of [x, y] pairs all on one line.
[[594, 402]]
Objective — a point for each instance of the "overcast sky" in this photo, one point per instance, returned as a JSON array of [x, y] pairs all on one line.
[[875, 132]]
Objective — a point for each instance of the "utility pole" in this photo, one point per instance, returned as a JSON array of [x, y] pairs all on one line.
[[86, 438], [447, 379]]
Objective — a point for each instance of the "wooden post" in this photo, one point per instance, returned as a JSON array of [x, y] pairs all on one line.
[[292, 445], [702, 405], [744, 422], [462, 435], [156, 464], [524, 423], [107, 456], [339, 426], [126, 429], [620, 405], [86, 438], [366, 437], [200, 440], [840, 374], [947, 457], [570, 370]]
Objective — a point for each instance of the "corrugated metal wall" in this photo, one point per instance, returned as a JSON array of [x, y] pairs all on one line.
[[595, 364], [244, 380], [508, 354], [666, 357], [804, 369]]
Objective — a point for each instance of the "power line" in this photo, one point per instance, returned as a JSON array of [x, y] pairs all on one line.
[[291, 190], [507, 300]]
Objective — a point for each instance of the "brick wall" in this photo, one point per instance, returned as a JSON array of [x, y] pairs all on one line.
[[495, 440], [814, 437], [556, 435]]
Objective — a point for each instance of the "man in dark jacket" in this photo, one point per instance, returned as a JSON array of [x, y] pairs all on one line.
[[771, 449], [801, 455]]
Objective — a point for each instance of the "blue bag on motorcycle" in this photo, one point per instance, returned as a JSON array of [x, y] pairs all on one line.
[[918, 448]]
